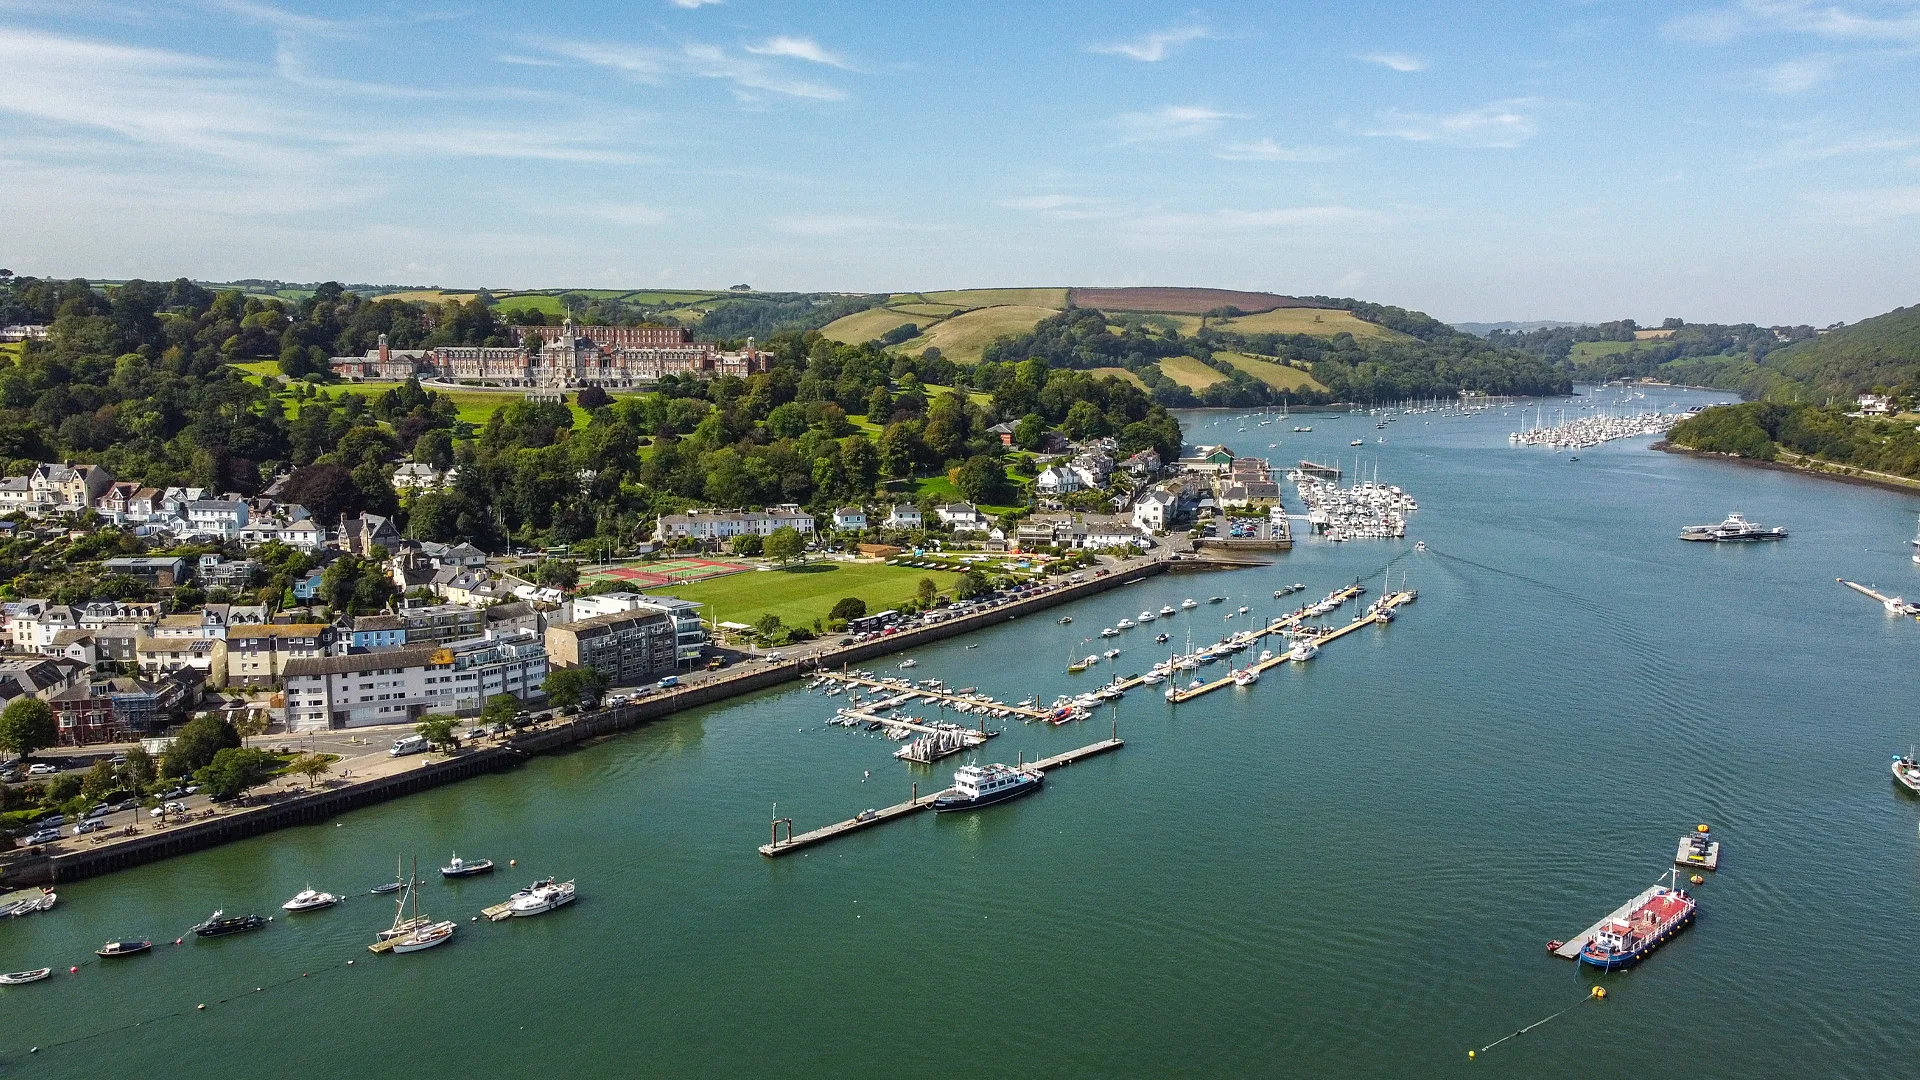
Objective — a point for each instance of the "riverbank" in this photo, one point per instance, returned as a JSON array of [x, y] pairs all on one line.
[[383, 778], [1804, 465]]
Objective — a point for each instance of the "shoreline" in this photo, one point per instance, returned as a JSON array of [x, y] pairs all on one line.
[[1883, 481], [26, 867]]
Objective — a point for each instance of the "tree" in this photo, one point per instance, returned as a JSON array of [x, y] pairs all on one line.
[[235, 769], [101, 781], [784, 544], [501, 708], [437, 730], [139, 770], [555, 574], [435, 448], [593, 397], [768, 624], [971, 584], [1031, 432], [312, 766], [926, 592], [849, 607], [981, 478], [748, 544], [574, 686], [26, 725], [197, 744], [327, 491]]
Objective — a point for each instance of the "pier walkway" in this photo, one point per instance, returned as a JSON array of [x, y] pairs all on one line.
[[869, 818], [906, 694], [1571, 950], [1392, 600], [971, 736], [1250, 637]]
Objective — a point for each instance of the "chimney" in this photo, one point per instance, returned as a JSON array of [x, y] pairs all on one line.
[[383, 348]]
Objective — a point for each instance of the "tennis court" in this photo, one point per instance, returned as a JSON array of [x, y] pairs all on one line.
[[678, 571]]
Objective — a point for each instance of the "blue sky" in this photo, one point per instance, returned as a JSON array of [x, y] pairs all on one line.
[[1732, 159]]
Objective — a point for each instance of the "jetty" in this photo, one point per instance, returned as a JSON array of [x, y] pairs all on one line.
[[915, 803], [1376, 616], [1571, 950], [905, 692], [1894, 604]]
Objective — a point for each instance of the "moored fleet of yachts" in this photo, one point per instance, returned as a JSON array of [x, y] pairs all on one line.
[[1368, 510], [1585, 431]]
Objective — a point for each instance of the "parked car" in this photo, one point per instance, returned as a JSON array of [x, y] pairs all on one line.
[[569, 710], [41, 768], [176, 793], [99, 811], [87, 826], [53, 822], [409, 744], [191, 789], [476, 733], [44, 836]]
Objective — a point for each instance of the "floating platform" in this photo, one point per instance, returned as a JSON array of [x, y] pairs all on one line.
[[1687, 857], [1571, 949], [868, 818]]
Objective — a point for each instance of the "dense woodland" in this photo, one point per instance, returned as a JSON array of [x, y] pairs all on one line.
[[1761, 429]]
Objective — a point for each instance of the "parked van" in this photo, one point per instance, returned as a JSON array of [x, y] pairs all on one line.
[[411, 744], [671, 680]]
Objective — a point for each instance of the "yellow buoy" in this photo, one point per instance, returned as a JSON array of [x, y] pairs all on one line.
[[1702, 828], [1697, 879], [1469, 1053], [1600, 991]]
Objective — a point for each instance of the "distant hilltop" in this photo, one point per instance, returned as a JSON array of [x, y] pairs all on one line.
[[1482, 329]]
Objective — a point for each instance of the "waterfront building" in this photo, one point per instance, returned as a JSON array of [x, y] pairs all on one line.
[[628, 647], [364, 689], [258, 654], [690, 633], [120, 708]]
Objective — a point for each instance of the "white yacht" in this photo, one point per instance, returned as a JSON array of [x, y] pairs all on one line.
[[1245, 677], [540, 898], [1735, 529], [1111, 653], [1189, 604], [310, 899], [1303, 650], [1109, 632], [1168, 609], [1147, 616], [425, 937], [1124, 624], [909, 662], [1153, 678]]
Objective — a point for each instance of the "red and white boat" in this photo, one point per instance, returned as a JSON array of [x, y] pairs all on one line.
[[1625, 941]]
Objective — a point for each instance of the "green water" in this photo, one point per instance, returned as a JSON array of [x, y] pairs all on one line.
[[1348, 869]]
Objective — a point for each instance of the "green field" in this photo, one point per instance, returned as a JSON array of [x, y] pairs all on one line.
[[541, 302], [979, 298], [1593, 350], [937, 311], [802, 594], [1119, 373], [942, 490], [964, 337], [667, 297], [1320, 322], [1277, 375], [1190, 373], [864, 326]]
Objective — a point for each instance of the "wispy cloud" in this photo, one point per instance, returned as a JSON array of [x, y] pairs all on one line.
[[278, 18], [1160, 219], [1153, 47], [1500, 124], [1269, 150], [692, 4], [526, 61], [1798, 76], [1168, 122], [1063, 207], [798, 48], [645, 63], [636, 214], [1879, 21], [1865, 206], [1396, 61], [833, 225], [1823, 145]]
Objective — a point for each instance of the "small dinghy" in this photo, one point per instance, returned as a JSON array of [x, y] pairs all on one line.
[[122, 948], [17, 978], [460, 867], [389, 887]]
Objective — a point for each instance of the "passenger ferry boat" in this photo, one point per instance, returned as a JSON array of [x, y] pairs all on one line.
[[1736, 529], [1622, 943], [975, 786]]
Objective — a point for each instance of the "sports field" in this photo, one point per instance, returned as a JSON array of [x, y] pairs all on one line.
[[662, 572], [801, 594]]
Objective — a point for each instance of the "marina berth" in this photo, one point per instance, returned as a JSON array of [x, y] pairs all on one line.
[[1586, 431]]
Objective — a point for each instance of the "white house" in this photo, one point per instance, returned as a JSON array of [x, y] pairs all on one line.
[[962, 517], [415, 476], [904, 516], [224, 518], [726, 524], [1153, 511], [849, 519], [1056, 480]]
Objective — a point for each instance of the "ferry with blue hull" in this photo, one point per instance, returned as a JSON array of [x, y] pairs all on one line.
[[975, 786], [1624, 942]]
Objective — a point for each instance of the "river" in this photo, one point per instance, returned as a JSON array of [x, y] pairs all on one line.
[[1348, 869]]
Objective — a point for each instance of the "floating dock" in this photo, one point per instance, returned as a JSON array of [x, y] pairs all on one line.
[[1391, 601], [869, 818], [903, 695], [1893, 604], [1687, 857], [1571, 950]]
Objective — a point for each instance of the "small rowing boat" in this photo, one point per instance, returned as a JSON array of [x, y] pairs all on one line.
[[18, 978]]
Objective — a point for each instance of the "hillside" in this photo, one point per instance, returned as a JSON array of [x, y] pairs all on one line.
[[1180, 301], [1882, 352]]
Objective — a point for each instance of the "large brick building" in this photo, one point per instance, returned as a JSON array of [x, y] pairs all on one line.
[[559, 357]]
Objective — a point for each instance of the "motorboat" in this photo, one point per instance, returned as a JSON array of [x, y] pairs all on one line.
[[1160, 639], [909, 662], [1147, 616], [1109, 632], [975, 786], [1111, 653], [1216, 599], [1245, 677], [217, 925], [1066, 620], [43, 902], [18, 978], [1153, 678], [540, 898], [1166, 609], [1244, 609], [122, 948], [459, 867], [310, 899], [1189, 604], [1303, 650], [1124, 624]]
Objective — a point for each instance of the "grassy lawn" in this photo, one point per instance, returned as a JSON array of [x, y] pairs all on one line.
[[976, 298], [1319, 322], [864, 326], [963, 337], [802, 594], [546, 305], [257, 368], [667, 297], [942, 490], [1277, 375], [1593, 350], [1190, 373]]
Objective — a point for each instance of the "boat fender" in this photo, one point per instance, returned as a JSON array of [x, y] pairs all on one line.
[[1701, 828], [202, 1007], [74, 970]]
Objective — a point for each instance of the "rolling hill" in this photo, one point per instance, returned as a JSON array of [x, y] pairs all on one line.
[[1883, 351], [1181, 301]]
